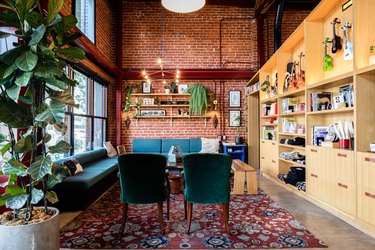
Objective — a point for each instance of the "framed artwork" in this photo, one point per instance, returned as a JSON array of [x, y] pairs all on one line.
[[234, 118], [146, 87], [182, 88], [152, 112], [235, 98], [121, 149]]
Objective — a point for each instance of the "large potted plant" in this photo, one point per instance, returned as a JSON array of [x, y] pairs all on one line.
[[199, 98], [34, 93]]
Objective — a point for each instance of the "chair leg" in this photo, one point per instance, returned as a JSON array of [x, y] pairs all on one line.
[[124, 217], [168, 205], [225, 207], [189, 213], [160, 215], [185, 210]]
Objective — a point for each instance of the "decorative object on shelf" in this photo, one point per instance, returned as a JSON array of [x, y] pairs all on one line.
[[348, 45], [172, 86], [371, 59], [148, 101], [182, 88], [199, 96], [301, 73], [288, 77], [152, 112], [183, 6], [127, 122], [234, 118], [215, 121], [265, 86], [336, 40], [146, 87], [235, 98], [320, 101], [121, 149], [327, 66], [167, 89], [293, 83], [274, 88]]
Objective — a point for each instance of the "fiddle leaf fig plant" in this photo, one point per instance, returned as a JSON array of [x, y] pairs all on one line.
[[34, 93]]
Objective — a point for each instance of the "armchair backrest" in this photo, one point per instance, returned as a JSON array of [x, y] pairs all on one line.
[[207, 178], [142, 178]]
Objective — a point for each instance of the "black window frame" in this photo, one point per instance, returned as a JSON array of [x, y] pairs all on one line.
[[74, 13]]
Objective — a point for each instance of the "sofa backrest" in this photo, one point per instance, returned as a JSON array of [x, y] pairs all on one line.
[[86, 157], [195, 145], [146, 145], [184, 144]]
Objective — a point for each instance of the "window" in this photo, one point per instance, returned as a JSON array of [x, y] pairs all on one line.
[[85, 13], [88, 122]]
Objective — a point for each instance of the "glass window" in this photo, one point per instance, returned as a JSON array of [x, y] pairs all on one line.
[[82, 134], [85, 13], [7, 43], [99, 102], [57, 136], [99, 135], [81, 93]]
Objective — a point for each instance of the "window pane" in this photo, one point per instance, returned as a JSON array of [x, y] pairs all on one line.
[[56, 137], [82, 134], [81, 93], [99, 128], [98, 99], [85, 13], [7, 43]]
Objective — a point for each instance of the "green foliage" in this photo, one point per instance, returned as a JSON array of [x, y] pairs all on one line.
[[199, 96], [37, 63]]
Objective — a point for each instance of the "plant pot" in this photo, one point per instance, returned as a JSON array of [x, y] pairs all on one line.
[[238, 140], [42, 236], [167, 91]]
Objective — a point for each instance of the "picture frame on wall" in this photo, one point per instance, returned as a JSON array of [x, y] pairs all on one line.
[[182, 88], [234, 118], [146, 87], [235, 98]]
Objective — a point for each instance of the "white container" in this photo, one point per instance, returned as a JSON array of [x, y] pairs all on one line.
[[371, 59]]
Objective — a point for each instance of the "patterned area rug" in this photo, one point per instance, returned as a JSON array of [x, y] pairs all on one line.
[[255, 222]]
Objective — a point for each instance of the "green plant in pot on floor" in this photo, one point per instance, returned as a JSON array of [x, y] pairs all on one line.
[[34, 93]]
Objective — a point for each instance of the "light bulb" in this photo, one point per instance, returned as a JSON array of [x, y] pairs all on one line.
[[159, 61], [144, 72], [177, 81], [164, 82]]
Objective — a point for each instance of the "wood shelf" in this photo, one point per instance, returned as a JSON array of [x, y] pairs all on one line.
[[292, 113], [292, 146], [297, 92], [292, 134], [269, 100], [368, 70], [254, 92], [268, 116], [265, 125], [292, 162], [331, 111], [327, 148], [332, 82]]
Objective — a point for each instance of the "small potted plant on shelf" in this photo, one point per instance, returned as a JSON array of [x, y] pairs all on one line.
[[34, 93], [371, 59], [167, 89]]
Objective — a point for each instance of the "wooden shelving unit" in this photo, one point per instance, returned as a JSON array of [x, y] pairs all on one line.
[[341, 181]]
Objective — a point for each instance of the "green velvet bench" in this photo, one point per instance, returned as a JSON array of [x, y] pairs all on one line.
[[79, 191]]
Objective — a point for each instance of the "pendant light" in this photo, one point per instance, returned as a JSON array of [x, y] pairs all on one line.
[[183, 6]]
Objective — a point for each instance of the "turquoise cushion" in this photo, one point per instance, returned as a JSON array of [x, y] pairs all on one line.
[[81, 181], [106, 166], [195, 145], [86, 157], [166, 144], [147, 145]]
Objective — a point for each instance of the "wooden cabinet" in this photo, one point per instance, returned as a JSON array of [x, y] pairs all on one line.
[[366, 187], [269, 157]]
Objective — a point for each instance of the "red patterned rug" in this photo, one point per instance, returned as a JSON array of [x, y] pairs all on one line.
[[255, 222]]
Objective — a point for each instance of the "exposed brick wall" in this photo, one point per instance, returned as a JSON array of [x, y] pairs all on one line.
[[291, 20]]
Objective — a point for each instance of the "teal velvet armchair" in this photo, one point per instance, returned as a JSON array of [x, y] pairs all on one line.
[[207, 181], [142, 181]]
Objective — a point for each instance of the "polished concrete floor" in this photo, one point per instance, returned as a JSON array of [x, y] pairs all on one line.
[[336, 233]]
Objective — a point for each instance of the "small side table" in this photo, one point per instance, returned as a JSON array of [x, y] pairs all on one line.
[[235, 151]]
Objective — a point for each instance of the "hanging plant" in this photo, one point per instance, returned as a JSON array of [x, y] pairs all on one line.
[[199, 96]]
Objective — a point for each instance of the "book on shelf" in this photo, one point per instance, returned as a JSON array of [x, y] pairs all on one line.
[[269, 133], [320, 101], [289, 125], [270, 109], [346, 92], [329, 144], [288, 104], [319, 134], [252, 88]]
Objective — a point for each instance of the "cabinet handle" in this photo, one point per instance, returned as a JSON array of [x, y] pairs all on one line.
[[342, 155], [314, 175], [262, 157], [273, 161], [370, 195], [342, 185], [262, 141], [314, 150], [273, 143], [369, 159]]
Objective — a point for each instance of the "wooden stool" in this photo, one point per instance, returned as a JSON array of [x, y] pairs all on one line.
[[242, 171]]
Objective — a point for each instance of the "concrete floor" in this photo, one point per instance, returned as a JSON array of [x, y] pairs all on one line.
[[336, 233]]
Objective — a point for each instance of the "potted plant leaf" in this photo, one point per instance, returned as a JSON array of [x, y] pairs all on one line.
[[34, 93], [199, 98]]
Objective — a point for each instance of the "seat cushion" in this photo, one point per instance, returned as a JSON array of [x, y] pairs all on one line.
[[106, 166], [86, 157], [146, 145], [195, 145], [166, 144], [81, 181]]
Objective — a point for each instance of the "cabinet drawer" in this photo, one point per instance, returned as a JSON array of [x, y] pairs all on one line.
[[344, 197], [366, 170], [366, 204]]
